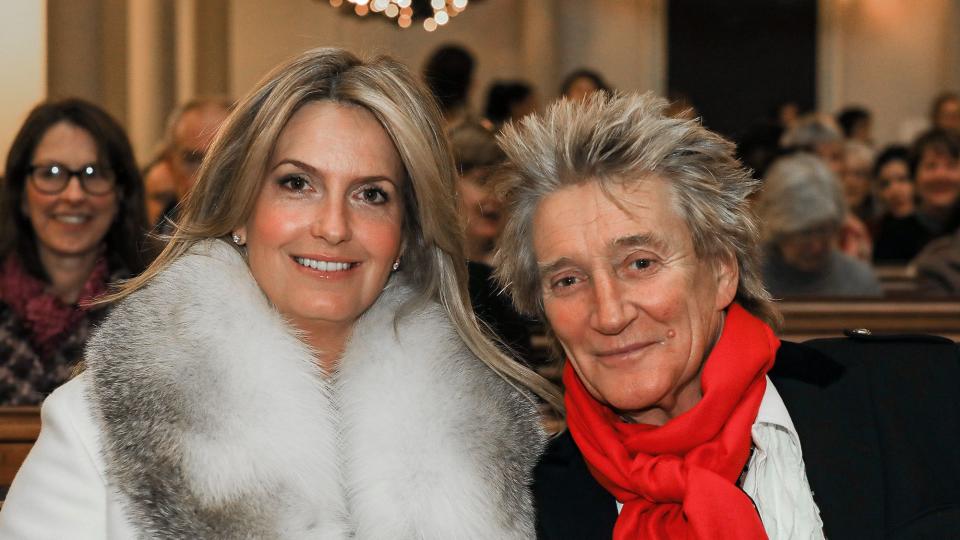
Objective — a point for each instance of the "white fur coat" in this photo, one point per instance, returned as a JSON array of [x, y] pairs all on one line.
[[217, 423]]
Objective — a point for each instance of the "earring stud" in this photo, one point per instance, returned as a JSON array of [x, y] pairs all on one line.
[[396, 265], [237, 240]]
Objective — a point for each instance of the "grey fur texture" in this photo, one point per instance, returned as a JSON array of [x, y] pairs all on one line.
[[216, 423]]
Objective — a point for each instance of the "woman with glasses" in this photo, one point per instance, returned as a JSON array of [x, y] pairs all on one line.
[[71, 220]]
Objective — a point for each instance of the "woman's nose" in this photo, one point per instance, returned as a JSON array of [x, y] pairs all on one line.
[[613, 311], [73, 191], [332, 222]]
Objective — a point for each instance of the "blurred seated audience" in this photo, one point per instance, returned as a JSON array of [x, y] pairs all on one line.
[[509, 101], [945, 112], [71, 222], [448, 74], [801, 211], [857, 124], [582, 82], [898, 233], [857, 168], [477, 154], [191, 129], [819, 135], [936, 170]]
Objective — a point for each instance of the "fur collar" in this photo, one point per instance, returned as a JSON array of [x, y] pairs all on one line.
[[217, 423]]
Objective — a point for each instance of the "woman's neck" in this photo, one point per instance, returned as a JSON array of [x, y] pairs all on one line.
[[68, 273]]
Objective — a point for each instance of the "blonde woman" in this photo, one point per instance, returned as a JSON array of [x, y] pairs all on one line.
[[302, 360]]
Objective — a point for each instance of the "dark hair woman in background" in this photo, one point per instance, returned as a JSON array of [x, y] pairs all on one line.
[[71, 220]]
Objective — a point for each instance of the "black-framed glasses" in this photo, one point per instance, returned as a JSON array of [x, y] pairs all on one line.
[[52, 178]]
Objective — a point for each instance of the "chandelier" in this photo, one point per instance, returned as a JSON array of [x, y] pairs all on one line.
[[432, 13]]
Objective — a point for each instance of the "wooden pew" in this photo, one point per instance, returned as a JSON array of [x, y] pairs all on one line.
[[897, 281], [19, 427], [808, 319]]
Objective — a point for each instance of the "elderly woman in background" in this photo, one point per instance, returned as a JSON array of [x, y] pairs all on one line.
[[801, 209], [631, 233], [301, 361], [71, 221]]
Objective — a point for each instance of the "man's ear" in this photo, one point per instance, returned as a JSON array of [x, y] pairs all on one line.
[[728, 279]]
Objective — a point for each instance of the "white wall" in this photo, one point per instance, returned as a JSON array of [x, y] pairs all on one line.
[[891, 56], [23, 37]]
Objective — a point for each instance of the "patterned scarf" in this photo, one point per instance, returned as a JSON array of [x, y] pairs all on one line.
[[48, 319], [678, 480]]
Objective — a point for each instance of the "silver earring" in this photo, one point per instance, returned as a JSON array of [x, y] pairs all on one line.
[[237, 240], [396, 265]]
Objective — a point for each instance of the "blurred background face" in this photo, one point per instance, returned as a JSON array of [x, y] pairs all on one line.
[[481, 210], [191, 139], [895, 188], [855, 180], [633, 306], [938, 180], [832, 154], [73, 222], [326, 227], [580, 88], [809, 250], [948, 115]]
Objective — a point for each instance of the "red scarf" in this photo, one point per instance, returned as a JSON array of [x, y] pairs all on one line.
[[47, 318], [677, 481]]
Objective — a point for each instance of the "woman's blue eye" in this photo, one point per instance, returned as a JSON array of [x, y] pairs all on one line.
[[374, 195]]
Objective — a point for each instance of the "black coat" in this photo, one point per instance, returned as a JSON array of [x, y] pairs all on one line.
[[879, 424]]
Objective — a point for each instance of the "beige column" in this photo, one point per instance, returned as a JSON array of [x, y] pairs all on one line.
[[539, 45], [150, 76], [185, 40], [73, 52], [23, 35]]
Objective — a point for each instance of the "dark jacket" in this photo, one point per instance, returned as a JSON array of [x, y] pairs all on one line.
[[879, 423]]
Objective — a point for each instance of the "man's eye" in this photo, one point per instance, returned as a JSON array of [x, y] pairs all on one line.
[[564, 282], [641, 264]]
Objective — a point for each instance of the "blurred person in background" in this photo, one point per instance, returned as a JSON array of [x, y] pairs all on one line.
[[819, 135], [191, 129], [899, 235], [857, 169], [801, 210], [448, 74], [936, 171], [71, 222], [509, 101], [477, 155], [945, 112], [857, 124], [580, 83]]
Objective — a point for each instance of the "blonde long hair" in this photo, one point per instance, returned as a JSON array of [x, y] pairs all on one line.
[[230, 178]]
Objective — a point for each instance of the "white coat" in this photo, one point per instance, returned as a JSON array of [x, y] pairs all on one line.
[[201, 415]]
